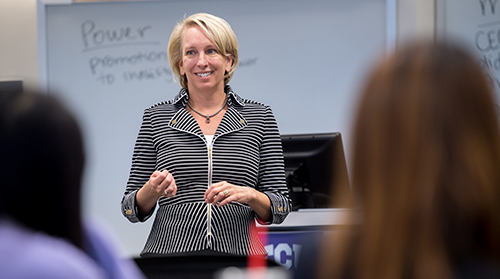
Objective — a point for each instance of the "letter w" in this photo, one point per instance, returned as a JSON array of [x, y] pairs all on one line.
[[492, 4]]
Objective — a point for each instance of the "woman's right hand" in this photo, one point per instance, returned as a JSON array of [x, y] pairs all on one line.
[[162, 184]]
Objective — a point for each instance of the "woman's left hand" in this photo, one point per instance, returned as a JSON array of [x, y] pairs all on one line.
[[224, 193]]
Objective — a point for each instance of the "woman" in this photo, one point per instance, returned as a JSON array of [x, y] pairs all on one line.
[[42, 234], [426, 172], [210, 159]]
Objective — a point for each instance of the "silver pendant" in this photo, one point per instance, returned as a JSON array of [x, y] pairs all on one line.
[[208, 119]]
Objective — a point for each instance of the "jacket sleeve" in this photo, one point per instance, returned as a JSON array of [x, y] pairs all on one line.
[[143, 165], [272, 180]]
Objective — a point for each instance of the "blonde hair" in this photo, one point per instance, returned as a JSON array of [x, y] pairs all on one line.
[[217, 29]]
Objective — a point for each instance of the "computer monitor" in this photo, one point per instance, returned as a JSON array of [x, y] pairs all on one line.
[[11, 86], [315, 168]]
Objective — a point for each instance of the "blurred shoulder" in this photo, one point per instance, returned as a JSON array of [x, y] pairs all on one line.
[[28, 254]]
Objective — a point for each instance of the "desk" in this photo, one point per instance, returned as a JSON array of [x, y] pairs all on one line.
[[284, 241]]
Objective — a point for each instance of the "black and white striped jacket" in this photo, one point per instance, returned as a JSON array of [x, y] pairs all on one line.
[[246, 151]]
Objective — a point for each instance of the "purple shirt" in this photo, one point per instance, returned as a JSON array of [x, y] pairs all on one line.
[[28, 254]]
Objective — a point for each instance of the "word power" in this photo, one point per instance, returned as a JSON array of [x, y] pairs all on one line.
[[95, 37]]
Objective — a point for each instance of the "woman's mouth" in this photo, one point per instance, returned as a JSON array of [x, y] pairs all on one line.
[[204, 74]]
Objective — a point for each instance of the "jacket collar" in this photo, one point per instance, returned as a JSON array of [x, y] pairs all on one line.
[[232, 120], [233, 98]]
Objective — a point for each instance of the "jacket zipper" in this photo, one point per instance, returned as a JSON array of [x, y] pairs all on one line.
[[209, 205]]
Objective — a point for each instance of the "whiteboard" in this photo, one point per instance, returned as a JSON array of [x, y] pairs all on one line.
[[476, 24], [306, 59]]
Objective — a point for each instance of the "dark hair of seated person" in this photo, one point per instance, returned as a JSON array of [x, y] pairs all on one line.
[[41, 164]]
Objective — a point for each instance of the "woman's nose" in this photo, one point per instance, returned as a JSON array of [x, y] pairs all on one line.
[[202, 60]]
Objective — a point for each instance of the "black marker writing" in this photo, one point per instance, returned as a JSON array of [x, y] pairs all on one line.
[[93, 37], [488, 40], [488, 6], [108, 61]]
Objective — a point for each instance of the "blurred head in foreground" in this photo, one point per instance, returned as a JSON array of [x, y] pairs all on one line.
[[425, 170], [41, 164]]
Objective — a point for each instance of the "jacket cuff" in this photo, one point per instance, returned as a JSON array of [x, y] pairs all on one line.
[[129, 209], [279, 209]]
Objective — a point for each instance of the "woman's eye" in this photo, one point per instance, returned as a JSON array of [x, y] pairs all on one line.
[[189, 52], [211, 51]]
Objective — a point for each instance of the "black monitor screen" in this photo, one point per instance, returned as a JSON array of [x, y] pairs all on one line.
[[315, 168]]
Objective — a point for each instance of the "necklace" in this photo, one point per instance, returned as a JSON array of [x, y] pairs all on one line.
[[211, 115]]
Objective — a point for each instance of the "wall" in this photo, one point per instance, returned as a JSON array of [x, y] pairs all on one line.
[[415, 19], [19, 53], [18, 41]]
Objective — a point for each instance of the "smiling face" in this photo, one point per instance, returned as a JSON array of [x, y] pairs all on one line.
[[202, 62]]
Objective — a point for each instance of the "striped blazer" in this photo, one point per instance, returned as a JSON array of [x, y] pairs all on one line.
[[246, 151]]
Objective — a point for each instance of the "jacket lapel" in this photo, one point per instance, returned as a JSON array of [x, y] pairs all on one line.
[[232, 120], [182, 119]]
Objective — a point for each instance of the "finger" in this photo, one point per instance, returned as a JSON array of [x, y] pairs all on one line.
[[234, 193], [155, 174], [171, 190], [168, 184], [168, 194], [209, 193], [166, 181], [162, 175], [223, 194], [226, 200], [174, 191], [153, 177], [158, 173], [173, 187], [157, 177], [217, 198], [219, 194]]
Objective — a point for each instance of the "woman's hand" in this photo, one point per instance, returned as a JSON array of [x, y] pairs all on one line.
[[160, 183], [222, 193]]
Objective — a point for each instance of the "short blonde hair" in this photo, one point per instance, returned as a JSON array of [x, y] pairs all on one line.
[[217, 29]]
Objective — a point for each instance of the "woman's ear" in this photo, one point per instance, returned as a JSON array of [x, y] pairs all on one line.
[[229, 63], [181, 69]]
